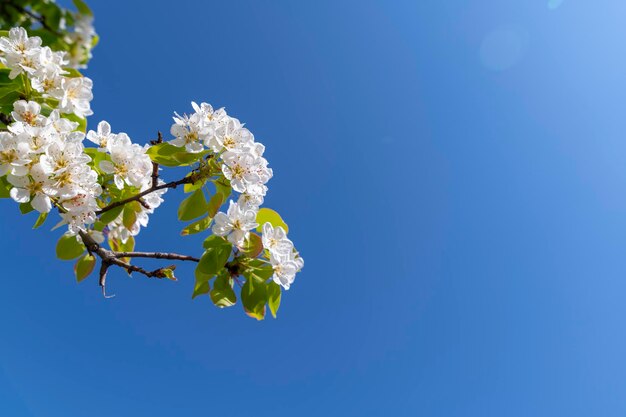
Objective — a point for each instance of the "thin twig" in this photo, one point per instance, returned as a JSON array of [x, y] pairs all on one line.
[[33, 16], [155, 166], [109, 258], [156, 255], [7, 119], [137, 197]]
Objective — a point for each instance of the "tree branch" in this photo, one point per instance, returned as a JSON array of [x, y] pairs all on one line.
[[137, 197], [109, 258], [33, 16], [155, 166], [156, 255], [7, 119]]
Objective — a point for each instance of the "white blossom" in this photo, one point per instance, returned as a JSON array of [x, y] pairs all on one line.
[[235, 224], [275, 240]]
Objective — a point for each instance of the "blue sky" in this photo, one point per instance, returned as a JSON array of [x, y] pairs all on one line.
[[453, 173]]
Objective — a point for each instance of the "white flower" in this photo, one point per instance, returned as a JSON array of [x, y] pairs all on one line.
[[275, 240], [27, 112], [235, 224], [102, 136], [38, 138], [80, 211], [239, 168], [20, 51], [75, 96], [231, 136], [81, 39], [129, 163], [13, 155], [208, 117], [62, 156], [285, 269], [189, 132], [60, 124], [33, 189]]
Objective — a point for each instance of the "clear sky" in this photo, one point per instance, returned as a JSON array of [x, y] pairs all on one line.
[[453, 172]]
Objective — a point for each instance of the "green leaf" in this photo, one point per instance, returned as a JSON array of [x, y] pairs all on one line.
[[266, 215], [197, 226], [193, 206], [172, 156], [187, 188], [7, 100], [84, 267], [215, 203], [216, 254], [169, 273], [258, 269], [222, 293], [68, 247], [73, 73], [40, 220], [129, 218], [162, 153], [201, 288], [202, 285], [5, 187], [96, 157], [110, 215], [223, 187], [82, 7], [252, 246], [119, 246], [26, 208], [52, 14], [273, 297], [254, 298]]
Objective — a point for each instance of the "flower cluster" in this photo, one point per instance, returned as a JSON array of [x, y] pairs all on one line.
[[283, 256], [130, 166], [45, 162], [25, 55], [242, 158], [44, 155], [82, 40], [247, 170]]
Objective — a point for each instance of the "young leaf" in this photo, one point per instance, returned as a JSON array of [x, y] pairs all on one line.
[[252, 246], [202, 284], [129, 217], [273, 297], [40, 220], [193, 206], [266, 215], [215, 203], [84, 267], [216, 254], [82, 7], [222, 293], [110, 215], [68, 247], [258, 269], [5, 187], [201, 288], [223, 187], [254, 298], [26, 208], [169, 273], [197, 226], [193, 187]]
